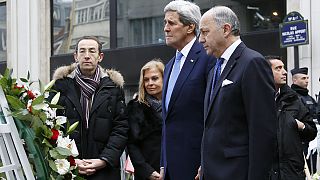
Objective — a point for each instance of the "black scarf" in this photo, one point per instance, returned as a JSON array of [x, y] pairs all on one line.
[[87, 87], [154, 103], [300, 90]]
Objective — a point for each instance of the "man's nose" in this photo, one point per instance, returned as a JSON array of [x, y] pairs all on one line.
[[166, 28], [86, 54], [201, 39], [284, 72]]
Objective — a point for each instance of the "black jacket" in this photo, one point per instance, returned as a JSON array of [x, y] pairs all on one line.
[[289, 158], [307, 100], [106, 136], [144, 139]]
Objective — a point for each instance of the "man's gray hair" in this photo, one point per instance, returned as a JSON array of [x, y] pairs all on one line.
[[222, 15], [189, 13]]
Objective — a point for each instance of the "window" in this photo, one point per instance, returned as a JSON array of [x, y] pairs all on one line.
[[140, 22], [254, 15], [73, 19], [3, 32]]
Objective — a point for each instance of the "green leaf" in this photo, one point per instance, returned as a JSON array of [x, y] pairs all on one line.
[[28, 75], [55, 99], [53, 165], [15, 103], [43, 116], [56, 106], [41, 87], [22, 114], [38, 100], [60, 177], [24, 80], [63, 151], [3, 82], [49, 85], [55, 154], [39, 106], [7, 73], [46, 132], [72, 127], [47, 143], [36, 123]]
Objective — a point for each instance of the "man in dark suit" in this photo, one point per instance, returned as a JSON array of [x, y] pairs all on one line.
[[240, 119], [183, 92]]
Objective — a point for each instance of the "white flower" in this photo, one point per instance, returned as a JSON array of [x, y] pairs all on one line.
[[62, 165], [51, 113], [67, 143], [49, 123], [29, 104], [36, 93], [46, 95], [61, 120]]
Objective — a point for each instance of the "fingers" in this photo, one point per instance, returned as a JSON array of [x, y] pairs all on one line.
[[198, 175], [86, 167], [154, 176]]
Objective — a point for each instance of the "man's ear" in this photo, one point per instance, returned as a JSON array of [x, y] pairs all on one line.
[[191, 28], [75, 56], [227, 29], [100, 58]]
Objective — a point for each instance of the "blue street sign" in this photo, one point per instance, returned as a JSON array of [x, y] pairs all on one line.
[[293, 30]]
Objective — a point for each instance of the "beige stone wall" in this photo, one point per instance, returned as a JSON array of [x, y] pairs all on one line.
[[28, 38]]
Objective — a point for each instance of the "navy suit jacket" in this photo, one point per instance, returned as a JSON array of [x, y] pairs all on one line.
[[240, 121], [183, 121]]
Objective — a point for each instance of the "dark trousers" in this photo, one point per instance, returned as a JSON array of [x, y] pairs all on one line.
[[167, 177]]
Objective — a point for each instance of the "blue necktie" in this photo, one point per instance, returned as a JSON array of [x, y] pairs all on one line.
[[173, 78], [216, 75]]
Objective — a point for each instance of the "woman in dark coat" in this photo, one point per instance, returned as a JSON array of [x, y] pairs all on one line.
[[145, 122]]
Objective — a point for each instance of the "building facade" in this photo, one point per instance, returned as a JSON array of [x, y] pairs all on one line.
[[39, 36]]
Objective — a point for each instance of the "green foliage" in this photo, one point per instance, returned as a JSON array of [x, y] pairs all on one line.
[[34, 110]]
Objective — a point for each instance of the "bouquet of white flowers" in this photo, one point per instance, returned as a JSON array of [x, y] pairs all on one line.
[[30, 107]]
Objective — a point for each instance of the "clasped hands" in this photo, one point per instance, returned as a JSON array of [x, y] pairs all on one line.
[[90, 166]]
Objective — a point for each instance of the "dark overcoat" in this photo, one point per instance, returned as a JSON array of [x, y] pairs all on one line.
[[144, 143], [106, 136]]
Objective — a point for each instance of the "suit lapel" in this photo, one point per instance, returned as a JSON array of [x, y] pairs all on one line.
[[188, 65], [208, 91], [230, 65]]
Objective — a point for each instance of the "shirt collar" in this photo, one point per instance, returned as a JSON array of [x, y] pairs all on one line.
[[186, 49], [228, 52]]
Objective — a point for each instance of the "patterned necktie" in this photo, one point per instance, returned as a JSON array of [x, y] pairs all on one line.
[[216, 75], [173, 78]]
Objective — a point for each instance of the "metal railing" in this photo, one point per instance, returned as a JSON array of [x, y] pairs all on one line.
[[15, 164]]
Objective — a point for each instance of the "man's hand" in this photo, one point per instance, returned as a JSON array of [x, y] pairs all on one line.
[[154, 176], [90, 166], [161, 177], [198, 175], [300, 124]]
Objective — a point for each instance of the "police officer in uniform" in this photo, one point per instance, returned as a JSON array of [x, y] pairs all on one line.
[[300, 81]]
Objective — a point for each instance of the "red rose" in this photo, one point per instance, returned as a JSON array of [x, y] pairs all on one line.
[[30, 94], [55, 134], [72, 161], [18, 87]]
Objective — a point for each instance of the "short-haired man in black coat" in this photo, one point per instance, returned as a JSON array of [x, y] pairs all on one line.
[[294, 126]]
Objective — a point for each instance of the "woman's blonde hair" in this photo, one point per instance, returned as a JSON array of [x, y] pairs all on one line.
[[154, 63]]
